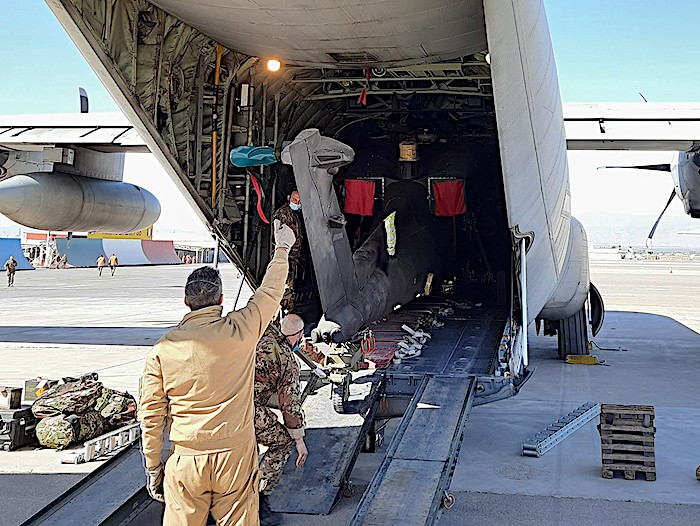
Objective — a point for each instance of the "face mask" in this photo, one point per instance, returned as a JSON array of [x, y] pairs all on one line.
[[295, 206]]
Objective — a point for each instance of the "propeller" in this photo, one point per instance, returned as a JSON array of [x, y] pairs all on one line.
[[666, 167], [653, 229]]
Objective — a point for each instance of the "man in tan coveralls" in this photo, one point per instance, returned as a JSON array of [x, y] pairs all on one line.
[[200, 376]]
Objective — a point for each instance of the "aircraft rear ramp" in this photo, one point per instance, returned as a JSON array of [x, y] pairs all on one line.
[[111, 495], [333, 441], [412, 481], [435, 394]]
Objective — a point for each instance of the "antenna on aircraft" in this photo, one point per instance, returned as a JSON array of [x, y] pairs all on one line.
[[83, 100]]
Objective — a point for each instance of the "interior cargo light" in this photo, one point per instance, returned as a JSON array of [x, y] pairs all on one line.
[[273, 64]]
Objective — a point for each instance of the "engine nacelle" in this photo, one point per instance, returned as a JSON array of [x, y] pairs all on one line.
[[686, 179], [72, 203], [574, 281]]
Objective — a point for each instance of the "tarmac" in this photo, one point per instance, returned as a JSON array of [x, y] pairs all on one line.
[[65, 322]]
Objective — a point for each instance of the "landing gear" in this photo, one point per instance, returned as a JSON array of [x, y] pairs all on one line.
[[572, 335], [341, 394]]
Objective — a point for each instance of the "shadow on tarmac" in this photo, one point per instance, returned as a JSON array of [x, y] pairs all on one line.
[[82, 335]]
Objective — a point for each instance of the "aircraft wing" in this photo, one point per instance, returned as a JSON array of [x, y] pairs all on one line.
[[104, 132], [65, 172], [589, 126], [632, 126]]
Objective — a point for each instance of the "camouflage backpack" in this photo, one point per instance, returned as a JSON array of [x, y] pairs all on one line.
[[74, 397], [116, 408], [59, 432]]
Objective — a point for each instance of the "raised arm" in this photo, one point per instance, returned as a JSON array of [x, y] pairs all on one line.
[[251, 320]]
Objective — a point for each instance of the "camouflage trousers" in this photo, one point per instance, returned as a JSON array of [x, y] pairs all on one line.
[[270, 432]]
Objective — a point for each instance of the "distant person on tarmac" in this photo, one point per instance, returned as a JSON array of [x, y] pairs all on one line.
[[101, 263], [199, 382], [11, 267], [113, 262]]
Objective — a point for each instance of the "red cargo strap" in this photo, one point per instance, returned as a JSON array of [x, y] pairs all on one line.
[[362, 99], [449, 198], [359, 197], [256, 185]]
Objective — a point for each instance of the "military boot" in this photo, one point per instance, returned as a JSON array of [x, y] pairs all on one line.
[[267, 516]]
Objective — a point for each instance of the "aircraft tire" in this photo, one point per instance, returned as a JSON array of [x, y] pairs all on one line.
[[572, 335]]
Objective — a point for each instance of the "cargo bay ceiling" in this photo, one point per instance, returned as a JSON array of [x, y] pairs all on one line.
[[182, 69], [323, 32]]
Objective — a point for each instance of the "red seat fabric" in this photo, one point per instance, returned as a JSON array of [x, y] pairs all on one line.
[[449, 198], [359, 197]]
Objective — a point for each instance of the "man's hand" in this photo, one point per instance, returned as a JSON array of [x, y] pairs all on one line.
[[284, 236], [302, 452], [154, 485]]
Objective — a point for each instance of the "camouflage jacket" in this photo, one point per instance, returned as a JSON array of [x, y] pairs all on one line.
[[277, 372], [11, 264], [292, 219]]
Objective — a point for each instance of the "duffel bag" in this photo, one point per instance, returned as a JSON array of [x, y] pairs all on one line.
[[75, 397], [116, 408], [59, 432]]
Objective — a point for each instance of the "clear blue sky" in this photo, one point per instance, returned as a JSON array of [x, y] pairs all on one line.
[[611, 50], [41, 68], [607, 51]]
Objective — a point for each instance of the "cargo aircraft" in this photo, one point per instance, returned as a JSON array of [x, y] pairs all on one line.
[[428, 145], [341, 94]]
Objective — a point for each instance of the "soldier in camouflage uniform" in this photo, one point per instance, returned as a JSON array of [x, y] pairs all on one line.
[[290, 214], [277, 373], [11, 268]]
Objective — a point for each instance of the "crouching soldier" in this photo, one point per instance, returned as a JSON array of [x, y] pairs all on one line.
[[277, 374]]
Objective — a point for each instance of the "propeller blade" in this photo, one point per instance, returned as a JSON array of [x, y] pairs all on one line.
[[653, 229], [657, 167]]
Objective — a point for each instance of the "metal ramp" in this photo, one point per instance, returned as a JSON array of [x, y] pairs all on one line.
[[110, 495], [411, 483], [333, 441], [538, 444]]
